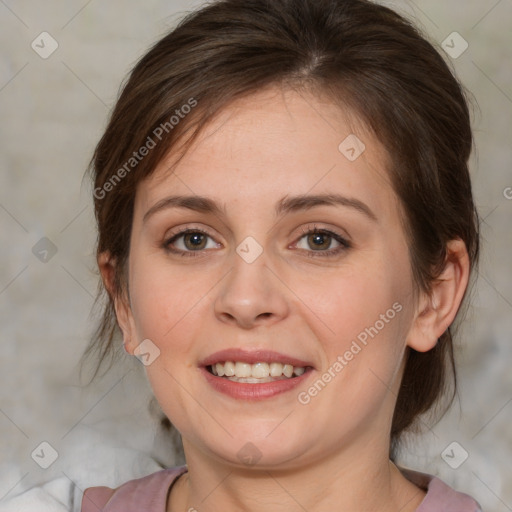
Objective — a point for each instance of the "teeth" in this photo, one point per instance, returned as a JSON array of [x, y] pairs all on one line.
[[243, 369], [229, 369], [276, 369], [288, 370], [258, 372]]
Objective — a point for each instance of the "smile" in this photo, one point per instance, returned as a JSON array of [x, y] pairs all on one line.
[[255, 373]]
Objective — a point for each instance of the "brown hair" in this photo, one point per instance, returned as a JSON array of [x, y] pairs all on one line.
[[365, 57]]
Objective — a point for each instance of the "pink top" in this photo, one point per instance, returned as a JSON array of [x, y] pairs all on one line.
[[149, 494]]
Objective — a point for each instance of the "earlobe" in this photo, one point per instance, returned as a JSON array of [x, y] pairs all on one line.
[[107, 267], [124, 320], [437, 310]]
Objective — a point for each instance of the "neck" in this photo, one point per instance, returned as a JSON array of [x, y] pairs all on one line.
[[342, 481]]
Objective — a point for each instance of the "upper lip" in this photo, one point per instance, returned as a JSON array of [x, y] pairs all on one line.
[[252, 357]]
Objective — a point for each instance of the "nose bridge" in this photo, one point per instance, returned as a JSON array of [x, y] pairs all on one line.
[[251, 294]]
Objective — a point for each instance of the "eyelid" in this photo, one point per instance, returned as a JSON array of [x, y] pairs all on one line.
[[185, 229], [173, 236], [343, 240], [313, 228]]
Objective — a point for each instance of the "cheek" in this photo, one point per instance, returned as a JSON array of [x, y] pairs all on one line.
[[168, 309], [165, 302], [173, 307], [361, 315], [348, 301]]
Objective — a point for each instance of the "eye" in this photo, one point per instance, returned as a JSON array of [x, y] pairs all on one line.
[[190, 240], [320, 242]]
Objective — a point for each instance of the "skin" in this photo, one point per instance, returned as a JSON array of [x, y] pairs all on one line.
[[329, 453]]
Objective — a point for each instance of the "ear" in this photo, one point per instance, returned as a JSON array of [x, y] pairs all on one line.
[[437, 310], [107, 267]]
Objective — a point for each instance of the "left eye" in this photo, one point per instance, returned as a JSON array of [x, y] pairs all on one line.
[[320, 240]]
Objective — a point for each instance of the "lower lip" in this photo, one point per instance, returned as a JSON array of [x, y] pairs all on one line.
[[246, 391]]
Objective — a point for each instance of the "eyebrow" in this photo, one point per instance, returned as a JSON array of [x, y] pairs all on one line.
[[285, 205]]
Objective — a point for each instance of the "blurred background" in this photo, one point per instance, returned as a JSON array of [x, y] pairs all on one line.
[[60, 70]]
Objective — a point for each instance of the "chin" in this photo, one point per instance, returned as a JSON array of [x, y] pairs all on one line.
[[259, 452]]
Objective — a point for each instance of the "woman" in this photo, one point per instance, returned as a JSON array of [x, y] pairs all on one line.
[[286, 234]]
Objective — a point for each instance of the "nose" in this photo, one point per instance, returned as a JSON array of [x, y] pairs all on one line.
[[251, 295]]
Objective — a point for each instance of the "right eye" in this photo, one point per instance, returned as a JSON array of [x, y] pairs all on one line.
[[188, 241]]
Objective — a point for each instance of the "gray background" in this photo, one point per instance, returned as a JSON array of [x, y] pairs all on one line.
[[53, 112]]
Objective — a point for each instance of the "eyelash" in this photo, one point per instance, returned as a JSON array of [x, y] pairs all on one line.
[[345, 244]]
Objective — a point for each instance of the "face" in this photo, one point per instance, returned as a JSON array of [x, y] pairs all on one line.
[[270, 243]]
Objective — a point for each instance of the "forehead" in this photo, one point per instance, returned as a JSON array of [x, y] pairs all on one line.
[[274, 141]]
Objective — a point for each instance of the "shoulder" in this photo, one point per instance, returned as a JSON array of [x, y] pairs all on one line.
[[440, 497], [148, 493]]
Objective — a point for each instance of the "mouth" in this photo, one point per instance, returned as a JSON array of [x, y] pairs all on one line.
[[254, 375], [257, 373]]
